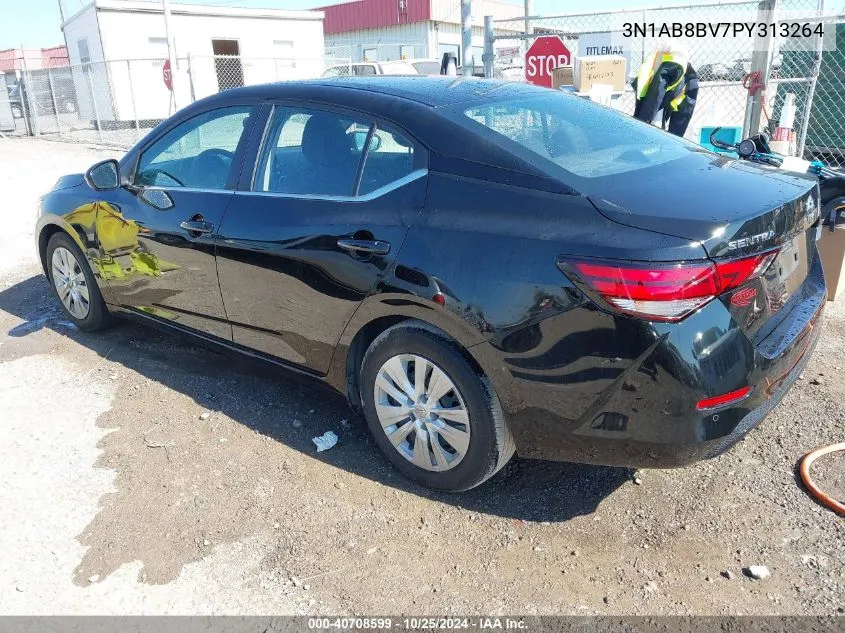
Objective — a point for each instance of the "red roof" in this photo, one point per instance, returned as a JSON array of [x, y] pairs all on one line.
[[371, 14], [11, 59]]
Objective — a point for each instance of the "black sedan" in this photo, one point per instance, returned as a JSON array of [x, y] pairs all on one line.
[[480, 267]]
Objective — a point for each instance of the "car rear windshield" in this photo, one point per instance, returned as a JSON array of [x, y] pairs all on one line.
[[581, 137]]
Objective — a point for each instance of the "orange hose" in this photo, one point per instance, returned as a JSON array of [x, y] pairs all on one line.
[[815, 491]]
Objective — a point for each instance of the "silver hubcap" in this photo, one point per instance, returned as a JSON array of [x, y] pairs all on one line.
[[422, 412], [70, 283]]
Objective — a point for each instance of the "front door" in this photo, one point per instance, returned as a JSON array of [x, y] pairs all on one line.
[[156, 236], [227, 64], [328, 208]]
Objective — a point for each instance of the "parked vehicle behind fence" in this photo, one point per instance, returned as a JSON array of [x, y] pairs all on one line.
[[365, 69]]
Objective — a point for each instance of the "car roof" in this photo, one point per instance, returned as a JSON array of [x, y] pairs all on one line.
[[430, 90]]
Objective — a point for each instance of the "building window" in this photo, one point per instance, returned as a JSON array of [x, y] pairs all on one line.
[[283, 52], [370, 54], [82, 46], [158, 50]]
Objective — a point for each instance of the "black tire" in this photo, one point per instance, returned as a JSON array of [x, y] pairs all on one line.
[[98, 316], [836, 203], [490, 445]]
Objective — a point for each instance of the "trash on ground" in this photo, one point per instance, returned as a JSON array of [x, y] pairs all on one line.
[[325, 441], [758, 572]]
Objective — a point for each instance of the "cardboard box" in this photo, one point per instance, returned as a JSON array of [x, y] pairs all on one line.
[[601, 69], [563, 76], [832, 251]]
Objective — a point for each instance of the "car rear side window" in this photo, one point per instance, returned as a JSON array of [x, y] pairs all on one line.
[[580, 137], [310, 152], [390, 157], [197, 153]]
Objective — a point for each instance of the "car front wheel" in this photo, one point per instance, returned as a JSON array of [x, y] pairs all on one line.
[[75, 285], [432, 413]]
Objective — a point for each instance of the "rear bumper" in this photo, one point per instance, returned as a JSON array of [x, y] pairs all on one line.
[[628, 399]]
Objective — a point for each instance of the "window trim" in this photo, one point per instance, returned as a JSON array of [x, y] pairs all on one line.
[[240, 153], [418, 173], [248, 178], [365, 154]]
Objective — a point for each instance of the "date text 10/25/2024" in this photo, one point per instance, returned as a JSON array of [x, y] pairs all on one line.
[[418, 623]]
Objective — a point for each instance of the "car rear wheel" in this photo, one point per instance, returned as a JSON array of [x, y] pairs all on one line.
[[75, 285], [435, 417]]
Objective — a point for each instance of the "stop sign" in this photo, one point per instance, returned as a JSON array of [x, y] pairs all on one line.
[[546, 54], [167, 75]]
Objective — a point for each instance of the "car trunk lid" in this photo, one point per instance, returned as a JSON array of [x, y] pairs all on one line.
[[734, 210]]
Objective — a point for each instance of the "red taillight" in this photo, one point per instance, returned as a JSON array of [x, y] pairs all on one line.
[[666, 291], [724, 399]]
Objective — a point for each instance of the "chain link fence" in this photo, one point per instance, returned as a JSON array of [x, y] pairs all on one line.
[[117, 102], [823, 113], [816, 78]]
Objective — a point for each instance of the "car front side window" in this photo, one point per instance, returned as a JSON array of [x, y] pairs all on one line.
[[198, 153]]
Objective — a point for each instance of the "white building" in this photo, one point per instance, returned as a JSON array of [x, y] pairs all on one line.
[[378, 30], [117, 49]]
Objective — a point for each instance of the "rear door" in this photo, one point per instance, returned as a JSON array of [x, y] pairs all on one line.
[[314, 230], [157, 235]]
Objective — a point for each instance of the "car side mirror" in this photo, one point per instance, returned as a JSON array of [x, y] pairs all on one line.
[[103, 176]]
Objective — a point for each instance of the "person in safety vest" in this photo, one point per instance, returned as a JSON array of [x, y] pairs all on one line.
[[666, 87]]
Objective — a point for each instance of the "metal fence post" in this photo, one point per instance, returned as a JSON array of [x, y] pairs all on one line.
[[528, 11], [55, 105], [94, 103], [488, 46], [811, 91], [28, 105], [191, 77], [761, 59], [132, 97], [467, 62], [642, 47]]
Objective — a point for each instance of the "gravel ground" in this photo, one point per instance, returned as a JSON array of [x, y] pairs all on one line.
[[121, 496]]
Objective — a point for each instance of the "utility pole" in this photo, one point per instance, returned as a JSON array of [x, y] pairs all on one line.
[[466, 38], [62, 10], [529, 11], [165, 5]]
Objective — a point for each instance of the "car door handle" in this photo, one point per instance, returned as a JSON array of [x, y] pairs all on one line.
[[197, 226], [376, 247]]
